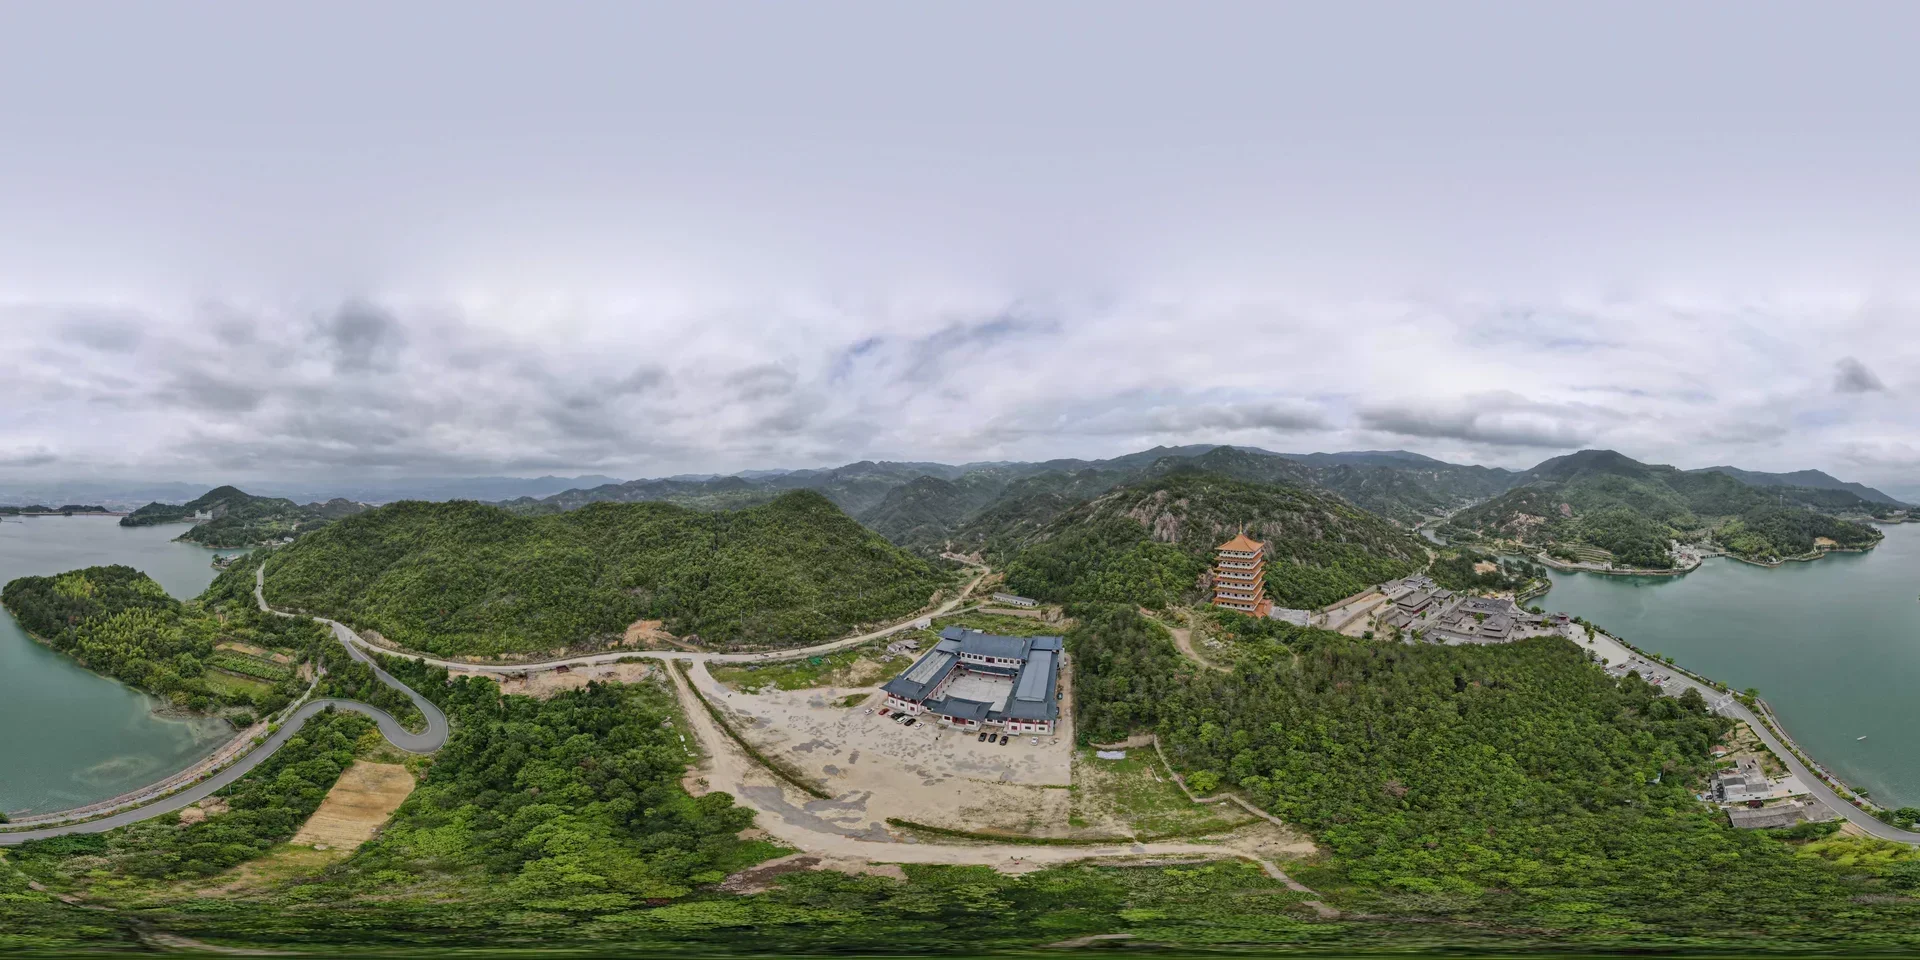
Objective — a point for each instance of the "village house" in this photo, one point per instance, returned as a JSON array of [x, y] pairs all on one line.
[[1015, 600], [973, 679], [1745, 782], [1767, 818]]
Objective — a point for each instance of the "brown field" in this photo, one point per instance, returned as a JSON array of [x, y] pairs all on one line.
[[253, 651], [357, 806], [544, 684]]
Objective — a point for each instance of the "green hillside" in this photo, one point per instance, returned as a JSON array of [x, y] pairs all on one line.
[[241, 519], [1632, 509], [118, 622], [1150, 542], [463, 578]]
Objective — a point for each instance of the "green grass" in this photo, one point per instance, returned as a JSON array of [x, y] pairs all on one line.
[[226, 684], [1139, 792], [1002, 624], [801, 674], [245, 665]]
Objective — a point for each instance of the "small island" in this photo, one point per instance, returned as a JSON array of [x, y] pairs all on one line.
[[230, 517]]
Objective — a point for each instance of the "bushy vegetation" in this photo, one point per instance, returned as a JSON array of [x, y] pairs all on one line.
[[266, 807], [1455, 570], [1513, 785], [241, 519], [1150, 543], [1633, 510], [120, 623], [463, 578]]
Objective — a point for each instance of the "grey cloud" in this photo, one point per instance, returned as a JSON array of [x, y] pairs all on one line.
[[763, 382], [27, 458], [362, 336], [113, 332], [1852, 376], [1507, 426], [1243, 416], [205, 390]]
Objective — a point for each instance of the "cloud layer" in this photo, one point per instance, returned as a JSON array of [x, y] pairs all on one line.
[[367, 387], [247, 240]]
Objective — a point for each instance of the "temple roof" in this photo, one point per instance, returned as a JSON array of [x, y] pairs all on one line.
[[1241, 543]]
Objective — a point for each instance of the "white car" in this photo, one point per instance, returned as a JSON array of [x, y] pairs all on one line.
[[1036, 741]]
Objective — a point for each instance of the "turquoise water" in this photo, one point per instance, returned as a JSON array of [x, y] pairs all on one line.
[[69, 737], [1833, 644]]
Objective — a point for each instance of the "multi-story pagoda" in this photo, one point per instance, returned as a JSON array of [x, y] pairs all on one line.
[[1239, 576]]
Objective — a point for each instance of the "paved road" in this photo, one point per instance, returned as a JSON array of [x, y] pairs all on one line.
[[1613, 651], [427, 741], [354, 640]]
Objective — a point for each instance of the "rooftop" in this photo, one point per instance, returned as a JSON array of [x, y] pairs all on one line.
[[1241, 543]]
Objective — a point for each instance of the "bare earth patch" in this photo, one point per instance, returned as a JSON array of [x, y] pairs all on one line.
[[546, 683], [652, 635], [357, 806]]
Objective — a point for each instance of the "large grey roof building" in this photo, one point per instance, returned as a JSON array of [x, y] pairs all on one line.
[[973, 678]]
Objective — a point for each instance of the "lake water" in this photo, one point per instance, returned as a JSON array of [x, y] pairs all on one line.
[[1833, 644], [68, 736]]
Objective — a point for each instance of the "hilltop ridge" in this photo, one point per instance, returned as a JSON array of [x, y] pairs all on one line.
[[1629, 511]]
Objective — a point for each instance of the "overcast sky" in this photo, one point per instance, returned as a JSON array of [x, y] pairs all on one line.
[[241, 242]]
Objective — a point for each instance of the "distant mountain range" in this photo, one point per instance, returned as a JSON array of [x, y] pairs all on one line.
[[1628, 511], [932, 506], [1814, 479], [129, 494]]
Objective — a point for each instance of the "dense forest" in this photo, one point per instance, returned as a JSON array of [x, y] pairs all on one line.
[[1463, 570], [218, 654], [241, 519], [119, 622], [1632, 510], [1151, 542], [1513, 786], [463, 578]]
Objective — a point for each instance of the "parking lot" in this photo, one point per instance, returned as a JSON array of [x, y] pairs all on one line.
[[887, 769]]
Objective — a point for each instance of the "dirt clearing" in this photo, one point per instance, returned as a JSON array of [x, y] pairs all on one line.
[[546, 683], [357, 806]]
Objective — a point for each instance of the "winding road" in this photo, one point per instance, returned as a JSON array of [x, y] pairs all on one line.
[[1612, 651], [435, 735], [427, 741]]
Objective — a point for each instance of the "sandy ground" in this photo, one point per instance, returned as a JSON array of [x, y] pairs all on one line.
[[925, 773], [545, 683], [357, 806], [841, 830], [1183, 638]]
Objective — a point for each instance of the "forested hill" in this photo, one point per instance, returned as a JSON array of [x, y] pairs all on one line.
[[1630, 509], [241, 519], [934, 507], [463, 578], [1149, 543]]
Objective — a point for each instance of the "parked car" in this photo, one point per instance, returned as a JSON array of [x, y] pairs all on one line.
[[1036, 741], [911, 721], [1003, 739], [885, 710], [901, 717], [982, 738]]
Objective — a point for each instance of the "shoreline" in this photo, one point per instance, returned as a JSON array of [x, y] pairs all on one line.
[[1762, 709]]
